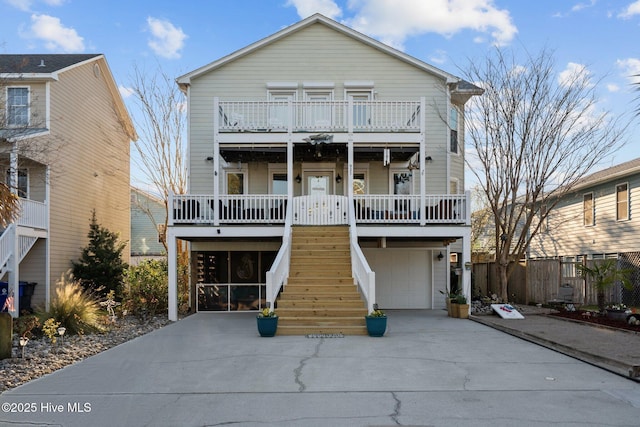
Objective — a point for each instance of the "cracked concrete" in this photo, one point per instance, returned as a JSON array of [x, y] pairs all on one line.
[[213, 369]]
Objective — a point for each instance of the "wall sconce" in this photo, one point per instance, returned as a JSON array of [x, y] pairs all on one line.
[[440, 256], [209, 159], [298, 179], [428, 159], [338, 179]]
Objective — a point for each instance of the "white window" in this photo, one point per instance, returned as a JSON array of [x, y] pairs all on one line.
[[17, 106], [279, 110], [23, 182], [622, 202], [453, 125], [361, 108], [319, 112]]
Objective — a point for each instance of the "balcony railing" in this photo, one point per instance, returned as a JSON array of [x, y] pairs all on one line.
[[32, 214], [319, 116], [259, 209]]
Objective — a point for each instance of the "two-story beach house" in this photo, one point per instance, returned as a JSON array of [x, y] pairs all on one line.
[[326, 176], [599, 219], [64, 149]]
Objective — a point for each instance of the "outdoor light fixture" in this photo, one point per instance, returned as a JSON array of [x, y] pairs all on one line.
[[338, 179], [440, 256], [298, 179], [23, 344], [61, 331], [209, 159], [428, 158]]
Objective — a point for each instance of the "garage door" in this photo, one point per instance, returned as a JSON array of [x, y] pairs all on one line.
[[403, 277]]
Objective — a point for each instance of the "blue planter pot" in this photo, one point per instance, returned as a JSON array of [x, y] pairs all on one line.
[[376, 326], [267, 326]]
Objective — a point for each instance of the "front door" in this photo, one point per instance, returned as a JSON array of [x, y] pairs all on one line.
[[318, 183]]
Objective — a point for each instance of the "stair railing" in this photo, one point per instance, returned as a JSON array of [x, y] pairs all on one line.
[[6, 247], [364, 276], [277, 275]]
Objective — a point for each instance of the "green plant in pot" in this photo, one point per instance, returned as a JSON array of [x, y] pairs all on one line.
[[267, 322], [460, 307], [376, 322], [603, 275]]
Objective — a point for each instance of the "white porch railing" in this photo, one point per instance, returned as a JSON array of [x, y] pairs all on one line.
[[316, 116], [279, 271], [32, 214], [6, 247], [240, 209], [320, 210], [364, 276], [405, 209]]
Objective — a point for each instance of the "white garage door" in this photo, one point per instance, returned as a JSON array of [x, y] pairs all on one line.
[[403, 277]]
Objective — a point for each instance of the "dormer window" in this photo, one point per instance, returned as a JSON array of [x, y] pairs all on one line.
[[17, 106]]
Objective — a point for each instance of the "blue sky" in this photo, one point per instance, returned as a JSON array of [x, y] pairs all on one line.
[[601, 35]]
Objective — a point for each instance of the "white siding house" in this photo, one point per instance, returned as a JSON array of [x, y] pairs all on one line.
[[315, 125]]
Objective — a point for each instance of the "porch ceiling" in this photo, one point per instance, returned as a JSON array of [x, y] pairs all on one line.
[[310, 153]]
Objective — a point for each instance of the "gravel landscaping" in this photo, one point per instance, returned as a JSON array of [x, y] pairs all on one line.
[[41, 358]]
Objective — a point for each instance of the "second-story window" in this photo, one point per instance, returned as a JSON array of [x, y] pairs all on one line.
[[17, 106], [622, 202], [453, 125], [23, 182], [588, 211]]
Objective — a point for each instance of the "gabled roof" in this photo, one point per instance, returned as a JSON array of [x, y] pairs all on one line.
[[185, 79], [614, 172], [40, 63], [49, 66]]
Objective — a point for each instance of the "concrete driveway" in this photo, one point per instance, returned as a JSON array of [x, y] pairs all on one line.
[[213, 369]]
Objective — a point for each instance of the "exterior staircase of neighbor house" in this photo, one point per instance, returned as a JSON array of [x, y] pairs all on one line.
[[320, 296]]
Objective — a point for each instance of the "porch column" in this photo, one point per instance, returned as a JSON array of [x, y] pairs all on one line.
[[14, 259], [423, 147], [216, 162], [466, 261], [290, 154], [47, 261], [350, 159], [172, 260]]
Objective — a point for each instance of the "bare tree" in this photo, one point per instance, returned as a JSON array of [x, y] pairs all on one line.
[[532, 136], [159, 151], [482, 241]]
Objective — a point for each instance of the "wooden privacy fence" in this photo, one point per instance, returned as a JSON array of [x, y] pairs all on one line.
[[538, 281]]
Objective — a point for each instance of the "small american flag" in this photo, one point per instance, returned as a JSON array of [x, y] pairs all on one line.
[[8, 304]]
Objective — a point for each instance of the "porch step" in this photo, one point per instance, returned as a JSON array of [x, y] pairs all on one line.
[[320, 296]]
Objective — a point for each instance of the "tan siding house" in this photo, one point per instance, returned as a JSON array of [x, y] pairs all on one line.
[[74, 153], [318, 125]]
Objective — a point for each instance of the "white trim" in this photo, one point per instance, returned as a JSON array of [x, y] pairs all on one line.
[[282, 85], [276, 168], [28, 105], [359, 84], [318, 85]]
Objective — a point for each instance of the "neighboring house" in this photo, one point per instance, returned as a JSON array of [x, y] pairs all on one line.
[[64, 142], [147, 217], [318, 124], [599, 219]]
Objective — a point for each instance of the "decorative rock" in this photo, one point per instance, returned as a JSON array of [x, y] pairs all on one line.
[[42, 358]]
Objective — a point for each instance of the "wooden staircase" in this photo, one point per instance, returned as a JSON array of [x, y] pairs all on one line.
[[320, 296]]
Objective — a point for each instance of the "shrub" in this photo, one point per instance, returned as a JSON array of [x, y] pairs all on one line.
[[75, 309], [146, 288], [100, 268]]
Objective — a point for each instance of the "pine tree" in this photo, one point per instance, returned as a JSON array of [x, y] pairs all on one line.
[[101, 268]]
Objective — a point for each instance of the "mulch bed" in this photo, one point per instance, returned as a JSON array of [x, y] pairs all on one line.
[[597, 319]]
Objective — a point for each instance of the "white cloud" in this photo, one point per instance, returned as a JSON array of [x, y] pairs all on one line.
[[574, 73], [125, 92], [631, 10], [630, 69], [579, 6], [393, 22], [24, 5], [306, 8], [438, 57], [612, 87], [56, 36], [167, 40]]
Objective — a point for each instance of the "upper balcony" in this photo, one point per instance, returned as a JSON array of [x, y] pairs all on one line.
[[319, 116]]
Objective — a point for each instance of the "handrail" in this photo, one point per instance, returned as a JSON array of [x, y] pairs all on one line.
[[365, 277], [32, 214], [279, 271], [6, 245]]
